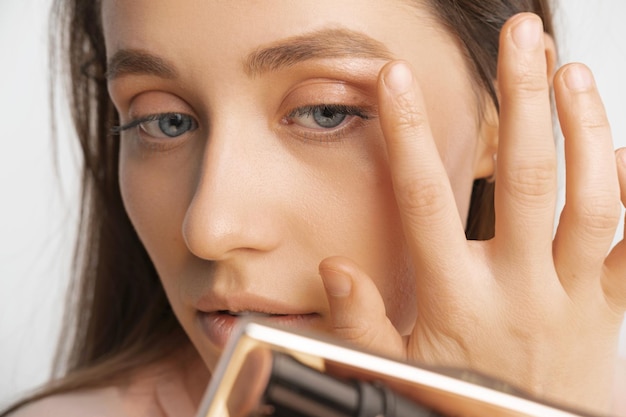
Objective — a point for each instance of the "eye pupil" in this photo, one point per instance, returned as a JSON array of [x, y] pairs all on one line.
[[175, 124], [327, 117]]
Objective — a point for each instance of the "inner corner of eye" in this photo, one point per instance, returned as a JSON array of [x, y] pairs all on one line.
[[287, 120]]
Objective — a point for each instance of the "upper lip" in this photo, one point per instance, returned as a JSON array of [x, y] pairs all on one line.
[[246, 303]]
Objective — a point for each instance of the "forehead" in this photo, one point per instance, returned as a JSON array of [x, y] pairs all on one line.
[[228, 28]]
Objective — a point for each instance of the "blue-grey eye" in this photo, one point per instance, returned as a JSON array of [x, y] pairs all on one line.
[[169, 125], [327, 117], [316, 117]]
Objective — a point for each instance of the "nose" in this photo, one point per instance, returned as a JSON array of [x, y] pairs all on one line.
[[234, 204]]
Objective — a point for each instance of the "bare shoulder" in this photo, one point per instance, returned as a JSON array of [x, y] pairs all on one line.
[[163, 389], [168, 388], [103, 402]]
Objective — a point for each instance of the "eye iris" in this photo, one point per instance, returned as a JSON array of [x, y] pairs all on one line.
[[175, 124], [327, 117]]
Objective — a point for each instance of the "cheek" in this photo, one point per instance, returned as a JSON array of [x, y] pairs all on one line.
[[388, 262], [155, 198], [373, 236], [393, 271], [401, 298]]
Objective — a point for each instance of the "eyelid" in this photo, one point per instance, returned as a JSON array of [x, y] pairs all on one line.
[[360, 114], [337, 108], [157, 143], [116, 130]]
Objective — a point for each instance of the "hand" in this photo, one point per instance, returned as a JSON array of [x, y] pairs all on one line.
[[543, 313]]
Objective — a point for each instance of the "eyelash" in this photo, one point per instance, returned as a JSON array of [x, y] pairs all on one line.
[[161, 144], [331, 134], [320, 134], [116, 130]]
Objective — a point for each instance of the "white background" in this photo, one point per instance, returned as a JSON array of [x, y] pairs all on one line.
[[38, 204]]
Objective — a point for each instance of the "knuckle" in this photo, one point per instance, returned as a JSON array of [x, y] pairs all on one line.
[[598, 214], [532, 178], [361, 334], [529, 82], [593, 123], [421, 197]]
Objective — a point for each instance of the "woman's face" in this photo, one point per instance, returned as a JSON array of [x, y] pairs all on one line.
[[251, 148]]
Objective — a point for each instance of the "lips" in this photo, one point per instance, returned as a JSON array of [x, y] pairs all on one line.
[[217, 313], [248, 313], [219, 325]]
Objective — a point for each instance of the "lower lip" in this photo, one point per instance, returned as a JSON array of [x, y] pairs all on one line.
[[219, 326]]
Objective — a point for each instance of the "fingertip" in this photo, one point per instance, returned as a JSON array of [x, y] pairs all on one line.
[[524, 55], [337, 274], [340, 263], [521, 16], [337, 283], [402, 111], [527, 31], [522, 28], [357, 311], [577, 77], [397, 77]]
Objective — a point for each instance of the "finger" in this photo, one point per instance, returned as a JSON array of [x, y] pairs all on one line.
[[526, 184], [614, 280], [431, 221], [592, 207], [357, 310]]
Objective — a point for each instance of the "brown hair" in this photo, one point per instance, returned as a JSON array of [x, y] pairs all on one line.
[[118, 318]]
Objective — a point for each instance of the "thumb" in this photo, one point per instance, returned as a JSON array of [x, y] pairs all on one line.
[[357, 309]]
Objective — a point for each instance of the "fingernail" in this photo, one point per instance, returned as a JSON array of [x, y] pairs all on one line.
[[578, 78], [398, 79], [337, 284], [528, 33]]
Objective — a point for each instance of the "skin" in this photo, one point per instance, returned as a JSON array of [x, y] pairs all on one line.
[[202, 188], [364, 231]]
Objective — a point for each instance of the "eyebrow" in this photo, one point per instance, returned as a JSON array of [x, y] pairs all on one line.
[[133, 61], [321, 44]]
